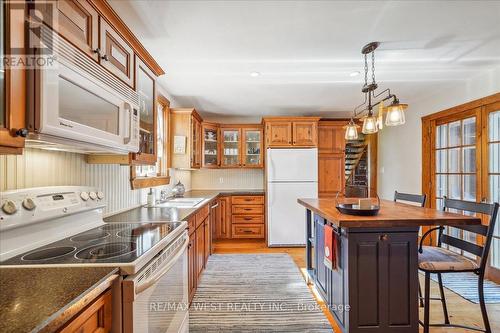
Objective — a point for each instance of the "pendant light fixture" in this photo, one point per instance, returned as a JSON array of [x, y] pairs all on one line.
[[373, 123]]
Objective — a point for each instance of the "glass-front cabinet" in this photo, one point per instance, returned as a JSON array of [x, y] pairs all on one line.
[[231, 143], [252, 147], [210, 146], [147, 111]]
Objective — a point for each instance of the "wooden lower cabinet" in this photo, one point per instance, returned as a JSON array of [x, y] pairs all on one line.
[[248, 230], [95, 318], [200, 250], [208, 241], [223, 219]]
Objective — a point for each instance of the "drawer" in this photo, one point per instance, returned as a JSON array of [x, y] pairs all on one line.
[[247, 200], [191, 225], [248, 209], [252, 219], [248, 230], [201, 215]]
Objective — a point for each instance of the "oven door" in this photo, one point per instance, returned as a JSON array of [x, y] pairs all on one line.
[[156, 298], [72, 105]]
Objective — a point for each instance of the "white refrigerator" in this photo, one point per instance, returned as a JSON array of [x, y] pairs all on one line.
[[291, 174]]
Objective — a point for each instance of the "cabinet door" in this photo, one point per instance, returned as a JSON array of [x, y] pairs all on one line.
[[331, 175], [192, 268], [252, 148], [12, 82], [223, 226], [200, 250], [210, 150], [116, 55], [78, 22], [279, 134], [208, 241], [305, 133], [95, 318], [146, 87], [321, 269], [331, 137], [195, 143], [230, 150]]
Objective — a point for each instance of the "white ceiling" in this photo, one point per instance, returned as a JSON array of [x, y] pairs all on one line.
[[305, 50]]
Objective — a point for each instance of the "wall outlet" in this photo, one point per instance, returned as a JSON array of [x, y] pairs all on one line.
[[221, 180]]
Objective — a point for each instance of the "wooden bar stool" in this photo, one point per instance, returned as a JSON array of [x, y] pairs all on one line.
[[440, 260], [420, 200]]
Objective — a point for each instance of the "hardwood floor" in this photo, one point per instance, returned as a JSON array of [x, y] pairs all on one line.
[[461, 311]]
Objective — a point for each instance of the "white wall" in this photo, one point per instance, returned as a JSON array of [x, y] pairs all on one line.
[[400, 148]]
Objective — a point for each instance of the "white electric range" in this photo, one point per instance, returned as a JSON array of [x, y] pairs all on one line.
[[64, 227]]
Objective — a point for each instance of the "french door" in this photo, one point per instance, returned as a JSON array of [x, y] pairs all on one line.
[[461, 160]]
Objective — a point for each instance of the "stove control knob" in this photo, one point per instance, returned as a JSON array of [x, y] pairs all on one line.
[[9, 207], [92, 195], [29, 204], [84, 196], [100, 195]]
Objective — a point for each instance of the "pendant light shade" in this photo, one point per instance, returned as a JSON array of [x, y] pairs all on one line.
[[396, 114], [370, 124], [351, 131]]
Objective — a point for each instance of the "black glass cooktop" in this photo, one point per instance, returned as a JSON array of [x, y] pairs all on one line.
[[110, 243]]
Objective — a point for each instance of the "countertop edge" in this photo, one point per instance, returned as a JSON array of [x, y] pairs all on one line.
[[66, 313]]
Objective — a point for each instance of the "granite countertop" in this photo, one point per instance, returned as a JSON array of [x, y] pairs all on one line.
[[162, 214], [44, 299]]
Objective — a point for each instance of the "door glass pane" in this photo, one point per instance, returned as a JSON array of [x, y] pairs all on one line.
[[252, 147], [2, 68], [210, 148], [469, 182], [441, 186], [469, 159], [230, 149], [454, 160], [494, 179], [441, 160], [469, 131], [442, 136], [455, 188], [494, 158], [96, 112], [494, 126], [454, 134]]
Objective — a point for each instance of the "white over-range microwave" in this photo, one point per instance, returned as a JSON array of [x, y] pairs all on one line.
[[77, 105]]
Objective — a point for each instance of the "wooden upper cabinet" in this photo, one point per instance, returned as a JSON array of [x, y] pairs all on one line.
[[210, 145], [291, 131], [231, 147], [12, 84], [279, 133], [115, 54], [146, 88], [331, 138], [185, 138], [252, 148], [305, 133], [78, 22]]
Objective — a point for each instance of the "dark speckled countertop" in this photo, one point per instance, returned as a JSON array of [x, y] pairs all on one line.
[[156, 214], [44, 299]]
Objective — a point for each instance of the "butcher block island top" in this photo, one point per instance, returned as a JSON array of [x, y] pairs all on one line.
[[391, 214]]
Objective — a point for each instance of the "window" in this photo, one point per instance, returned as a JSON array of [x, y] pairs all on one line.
[[157, 174], [461, 160]]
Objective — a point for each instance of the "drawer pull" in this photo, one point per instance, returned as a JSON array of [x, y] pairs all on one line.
[[248, 231], [248, 218], [384, 237], [247, 209]]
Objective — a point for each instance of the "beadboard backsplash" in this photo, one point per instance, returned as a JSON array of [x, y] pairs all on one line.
[[38, 167], [222, 179]]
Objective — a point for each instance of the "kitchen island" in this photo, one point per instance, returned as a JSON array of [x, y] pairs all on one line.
[[373, 286]]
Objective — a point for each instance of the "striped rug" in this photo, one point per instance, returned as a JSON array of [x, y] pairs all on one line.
[[254, 293], [465, 285]]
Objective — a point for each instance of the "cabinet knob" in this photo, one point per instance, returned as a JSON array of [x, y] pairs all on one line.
[[97, 51], [23, 132], [105, 57], [384, 237]]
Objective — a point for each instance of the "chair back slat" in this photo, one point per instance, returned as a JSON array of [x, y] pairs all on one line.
[[462, 245], [470, 206], [416, 198], [490, 209]]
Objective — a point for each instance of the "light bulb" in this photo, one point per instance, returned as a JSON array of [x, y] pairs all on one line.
[[370, 125], [351, 131], [395, 114]]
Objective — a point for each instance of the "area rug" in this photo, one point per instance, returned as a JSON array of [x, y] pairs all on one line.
[[465, 285], [254, 293]]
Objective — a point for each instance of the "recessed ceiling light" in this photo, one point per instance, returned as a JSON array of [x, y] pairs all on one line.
[[254, 74], [353, 74]]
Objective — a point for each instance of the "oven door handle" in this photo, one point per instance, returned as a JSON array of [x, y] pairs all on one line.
[[142, 287]]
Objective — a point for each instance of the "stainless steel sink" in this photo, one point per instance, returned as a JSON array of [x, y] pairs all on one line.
[[180, 202]]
